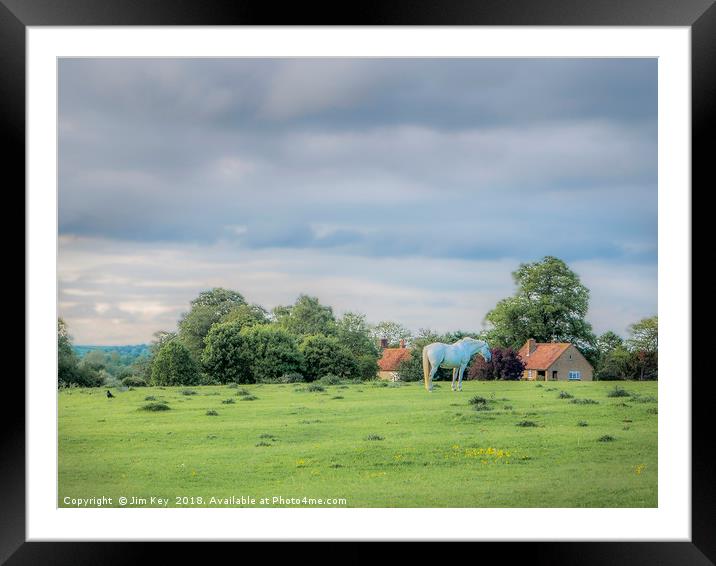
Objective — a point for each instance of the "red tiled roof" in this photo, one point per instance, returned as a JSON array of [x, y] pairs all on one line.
[[392, 357], [544, 355]]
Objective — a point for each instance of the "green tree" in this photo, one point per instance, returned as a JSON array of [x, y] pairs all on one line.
[[353, 332], [271, 352], [206, 310], [260, 353], [220, 299], [307, 316], [174, 365], [325, 355], [644, 346], [550, 305], [616, 364], [225, 357], [247, 315], [69, 369], [644, 335]]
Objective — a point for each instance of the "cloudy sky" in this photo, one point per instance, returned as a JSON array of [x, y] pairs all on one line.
[[407, 189]]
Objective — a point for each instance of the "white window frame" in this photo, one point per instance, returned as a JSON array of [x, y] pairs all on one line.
[[575, 375]]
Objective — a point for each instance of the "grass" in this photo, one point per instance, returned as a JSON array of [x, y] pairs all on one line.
[[110, 448]]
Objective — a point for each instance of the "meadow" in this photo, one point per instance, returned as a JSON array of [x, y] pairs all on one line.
[[373, 444]]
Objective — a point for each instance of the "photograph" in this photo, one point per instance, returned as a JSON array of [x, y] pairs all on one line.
[[357, 282]]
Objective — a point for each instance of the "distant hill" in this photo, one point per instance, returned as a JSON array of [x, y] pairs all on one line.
[[127, 353]]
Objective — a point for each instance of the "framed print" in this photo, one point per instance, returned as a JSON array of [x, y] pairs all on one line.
[[396, 278]]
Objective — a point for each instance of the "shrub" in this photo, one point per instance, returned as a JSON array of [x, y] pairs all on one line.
[[618, 392], [565, 395], [292, 377], [173, 365], [606, 438], [526, 423], [325, 355], [582, 423], [315, 387], [330, 379], [505, 364], [212, 413], [155, 407], [477, 400], [134, 381]]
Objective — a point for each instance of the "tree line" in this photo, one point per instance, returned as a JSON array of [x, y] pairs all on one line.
[[222, 338]]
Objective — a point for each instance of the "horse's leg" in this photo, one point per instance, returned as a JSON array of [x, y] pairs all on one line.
[[454, 377], [433, 371], [459, 383]]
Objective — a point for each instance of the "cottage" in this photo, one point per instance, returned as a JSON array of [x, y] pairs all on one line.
[[554, 361], [390, 360]]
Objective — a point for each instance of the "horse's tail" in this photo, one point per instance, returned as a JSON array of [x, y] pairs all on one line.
[[426, 367]]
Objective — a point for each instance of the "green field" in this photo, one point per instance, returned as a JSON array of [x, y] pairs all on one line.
[[372, 444]]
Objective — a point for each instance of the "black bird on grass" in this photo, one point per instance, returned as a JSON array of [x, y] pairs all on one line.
[[109, 394]]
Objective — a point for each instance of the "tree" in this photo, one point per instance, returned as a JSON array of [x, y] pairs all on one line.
[[306, 317], [353, 332], [644, 335], [394, 332], [174, 365], [259, 353], [550, 305], [69, 369], [225, 356], [220, 299], [206, 310], [505, 364], [604, 345], [644, 345], [617, 364], [247, 315], [324, 355]]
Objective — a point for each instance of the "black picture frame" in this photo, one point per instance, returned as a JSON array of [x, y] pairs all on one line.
[[698, 15]]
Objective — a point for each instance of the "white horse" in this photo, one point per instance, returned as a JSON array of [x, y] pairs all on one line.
[[455, 356]]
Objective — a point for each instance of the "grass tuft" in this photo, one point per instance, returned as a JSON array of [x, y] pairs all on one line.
[[155, 407], [228, 401], [618, 392], [584, 402], [212, 413], [374, 437], [527, 424], [606, 438], [565, 395]]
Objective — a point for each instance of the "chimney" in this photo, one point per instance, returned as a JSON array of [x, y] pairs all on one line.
[[531, 346], [383, 343], [402, 343]]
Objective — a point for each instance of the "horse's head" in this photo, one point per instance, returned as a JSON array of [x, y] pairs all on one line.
[[485, 352], [480, 347]]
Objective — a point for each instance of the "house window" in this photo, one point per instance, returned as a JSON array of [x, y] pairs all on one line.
[[575, 375], [529, 374]]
